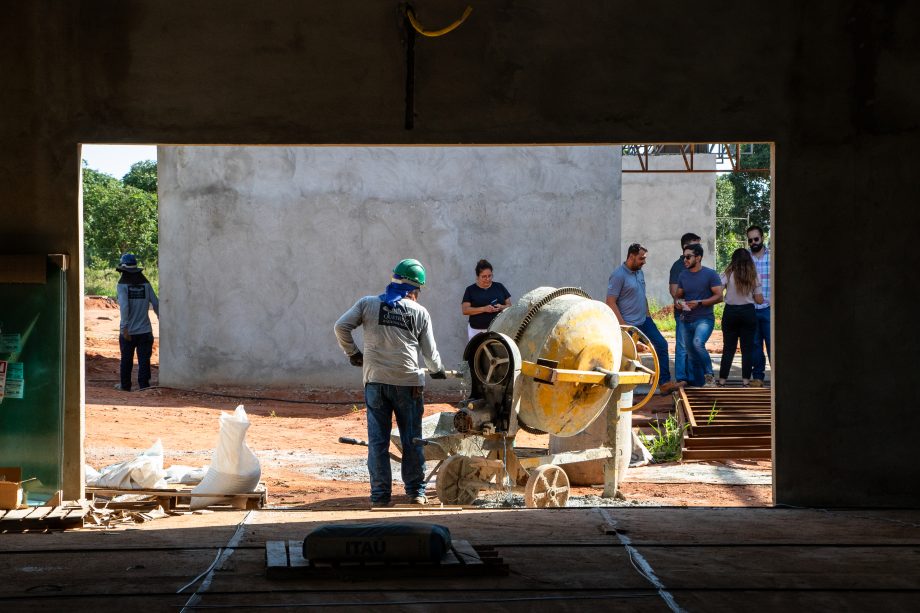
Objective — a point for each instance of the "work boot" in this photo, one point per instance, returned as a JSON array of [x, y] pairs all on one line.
[[710, 381], [757, 383], [669, 387]]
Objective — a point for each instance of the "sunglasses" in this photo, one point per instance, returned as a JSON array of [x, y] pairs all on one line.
[[689, 257], [751, 241]]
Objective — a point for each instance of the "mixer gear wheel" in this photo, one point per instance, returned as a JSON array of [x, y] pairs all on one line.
[[452, 485], [547, 487], [492, 362]]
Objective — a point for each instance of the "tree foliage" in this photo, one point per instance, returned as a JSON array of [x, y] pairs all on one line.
[[119, 217], [143, 175], [742, 199]]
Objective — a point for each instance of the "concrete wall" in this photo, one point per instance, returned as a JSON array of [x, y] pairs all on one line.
[[831, 83], [660, 207], [262, 248]]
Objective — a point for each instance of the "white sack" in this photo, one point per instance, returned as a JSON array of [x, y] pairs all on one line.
[[234, 467], [186, 475], [90, 474], [143, 472]]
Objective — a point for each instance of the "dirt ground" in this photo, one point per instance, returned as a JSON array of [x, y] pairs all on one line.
[[295, 432]]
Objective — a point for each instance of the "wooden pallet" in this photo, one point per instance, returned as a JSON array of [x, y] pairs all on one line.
[[284, 560], [726, 423], [43, 519], [172, 498]]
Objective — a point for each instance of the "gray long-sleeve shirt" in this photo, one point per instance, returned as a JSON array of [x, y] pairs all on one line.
[[394, 338], [134, 299]]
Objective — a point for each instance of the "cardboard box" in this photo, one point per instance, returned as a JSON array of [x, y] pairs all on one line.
[[10, 487]]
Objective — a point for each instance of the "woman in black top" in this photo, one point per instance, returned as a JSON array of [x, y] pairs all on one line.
[[484, 300]]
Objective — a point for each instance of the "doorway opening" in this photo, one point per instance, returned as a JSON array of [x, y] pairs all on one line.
[[267, 226]]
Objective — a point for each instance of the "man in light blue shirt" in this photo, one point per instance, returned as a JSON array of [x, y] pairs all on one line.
[[626, 298], [761, 255]]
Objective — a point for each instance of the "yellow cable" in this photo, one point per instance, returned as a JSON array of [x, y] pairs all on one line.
[[433, 33]]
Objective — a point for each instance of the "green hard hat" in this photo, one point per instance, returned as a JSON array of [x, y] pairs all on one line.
[[411, 271]]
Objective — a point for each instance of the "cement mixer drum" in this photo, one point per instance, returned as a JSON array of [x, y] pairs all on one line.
[[567, 330]]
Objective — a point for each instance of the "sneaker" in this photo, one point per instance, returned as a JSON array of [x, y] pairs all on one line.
[[383, 502], [710, 382], [420, 500], [757, 383], [118, 387], [720, 383]]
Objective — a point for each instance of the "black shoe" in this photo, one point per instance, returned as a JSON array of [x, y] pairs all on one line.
[[382, 502]]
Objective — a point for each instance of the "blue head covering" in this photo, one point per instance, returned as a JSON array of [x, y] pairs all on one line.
[[397, 290]]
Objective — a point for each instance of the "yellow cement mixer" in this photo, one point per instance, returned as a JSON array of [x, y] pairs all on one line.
[[552, 364]]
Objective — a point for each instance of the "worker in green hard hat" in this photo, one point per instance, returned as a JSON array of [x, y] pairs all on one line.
[[396, 330]]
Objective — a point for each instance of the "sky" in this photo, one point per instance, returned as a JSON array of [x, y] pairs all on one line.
[[116, 160]]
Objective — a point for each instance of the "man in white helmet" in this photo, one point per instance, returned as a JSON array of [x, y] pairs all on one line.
[[396, 330]]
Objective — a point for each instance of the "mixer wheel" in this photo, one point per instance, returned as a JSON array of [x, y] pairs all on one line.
[[453, 485], [547, 487]]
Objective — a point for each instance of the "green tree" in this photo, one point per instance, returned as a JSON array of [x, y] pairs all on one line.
[[143, 175], [117, 218], [742, 199]]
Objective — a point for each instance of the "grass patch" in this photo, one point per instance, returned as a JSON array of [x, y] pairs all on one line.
[[665, 445], [102, 281]]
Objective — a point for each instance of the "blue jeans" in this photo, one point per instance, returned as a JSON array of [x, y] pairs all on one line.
[[681, 372], [695, 334], [661, 349], [407, 403], [761, 336], [143, 344]]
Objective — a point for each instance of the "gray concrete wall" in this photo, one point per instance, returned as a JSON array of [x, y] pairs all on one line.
[[831, 83], [262, 248], [660, 207]]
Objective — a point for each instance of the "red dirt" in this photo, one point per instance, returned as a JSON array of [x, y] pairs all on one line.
[[293, 439]]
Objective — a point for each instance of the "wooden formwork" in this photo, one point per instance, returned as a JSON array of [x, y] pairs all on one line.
[[726, 423]]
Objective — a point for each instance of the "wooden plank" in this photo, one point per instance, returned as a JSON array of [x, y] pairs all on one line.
[[731, 440], [17, 514], [172, 493], [295, 554], [685, 403], [732, 430], [465, 552], [56, 513], [276, 554], [39, 512], [726, 454]]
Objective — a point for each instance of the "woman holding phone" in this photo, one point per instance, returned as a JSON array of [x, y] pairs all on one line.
[[484, 300]]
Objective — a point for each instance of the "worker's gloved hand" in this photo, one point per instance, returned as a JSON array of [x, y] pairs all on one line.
[[439, 375], [356, 359]]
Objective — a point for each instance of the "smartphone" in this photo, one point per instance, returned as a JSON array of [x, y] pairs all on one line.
[[494, 302]]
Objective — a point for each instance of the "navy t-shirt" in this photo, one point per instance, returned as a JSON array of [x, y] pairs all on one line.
[[676, 268], [478, 297], [698, 286]]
